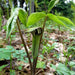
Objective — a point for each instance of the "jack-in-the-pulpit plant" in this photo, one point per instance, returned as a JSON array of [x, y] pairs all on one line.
[[20, 14]]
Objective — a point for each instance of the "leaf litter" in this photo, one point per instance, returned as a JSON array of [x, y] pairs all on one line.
[[54, 57]]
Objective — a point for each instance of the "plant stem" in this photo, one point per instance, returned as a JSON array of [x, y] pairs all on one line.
[[24, 45], [41, 39], [10, 63], [34, 66], [44, 25], [35, 47], [30, 8]]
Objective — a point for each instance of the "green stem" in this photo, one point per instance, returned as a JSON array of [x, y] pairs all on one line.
[[41, 38], [35, 44], [10, 63], [10, 39], [24, 45], [0, 18], [30, 8]]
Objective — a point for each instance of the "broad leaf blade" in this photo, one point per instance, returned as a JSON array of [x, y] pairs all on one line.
[[5, 55], [52, 4], [11, 22], [56, 19], [35, 17], [1, 67], [62, 21], [10, 25], [22, 16], [66, 21]]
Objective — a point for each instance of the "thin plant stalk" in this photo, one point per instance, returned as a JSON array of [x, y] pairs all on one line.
[[10, 63], [35, 47], [24, 45], [0, 18], [40, 41], [30, 8]]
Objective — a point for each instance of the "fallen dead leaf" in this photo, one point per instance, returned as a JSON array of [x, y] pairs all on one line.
[[62, 58], [59, 47]]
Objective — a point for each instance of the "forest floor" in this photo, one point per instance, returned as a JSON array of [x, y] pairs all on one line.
[[54, 50]]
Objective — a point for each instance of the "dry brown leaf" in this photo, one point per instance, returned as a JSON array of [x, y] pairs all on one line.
[[62, 58], [59, 47]]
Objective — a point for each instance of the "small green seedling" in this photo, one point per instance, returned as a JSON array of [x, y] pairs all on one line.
[[61, 69]]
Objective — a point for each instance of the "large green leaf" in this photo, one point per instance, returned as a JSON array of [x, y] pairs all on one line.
[[23, 16], [5, 53], [61, 21], [66, 21], [72, 63], [12, 20], [52, 4], [10, 25], [35, 17], [1, 67], [62, 69], [56, 19]]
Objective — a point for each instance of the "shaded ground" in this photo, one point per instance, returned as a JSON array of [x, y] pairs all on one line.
[[56, 44]]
